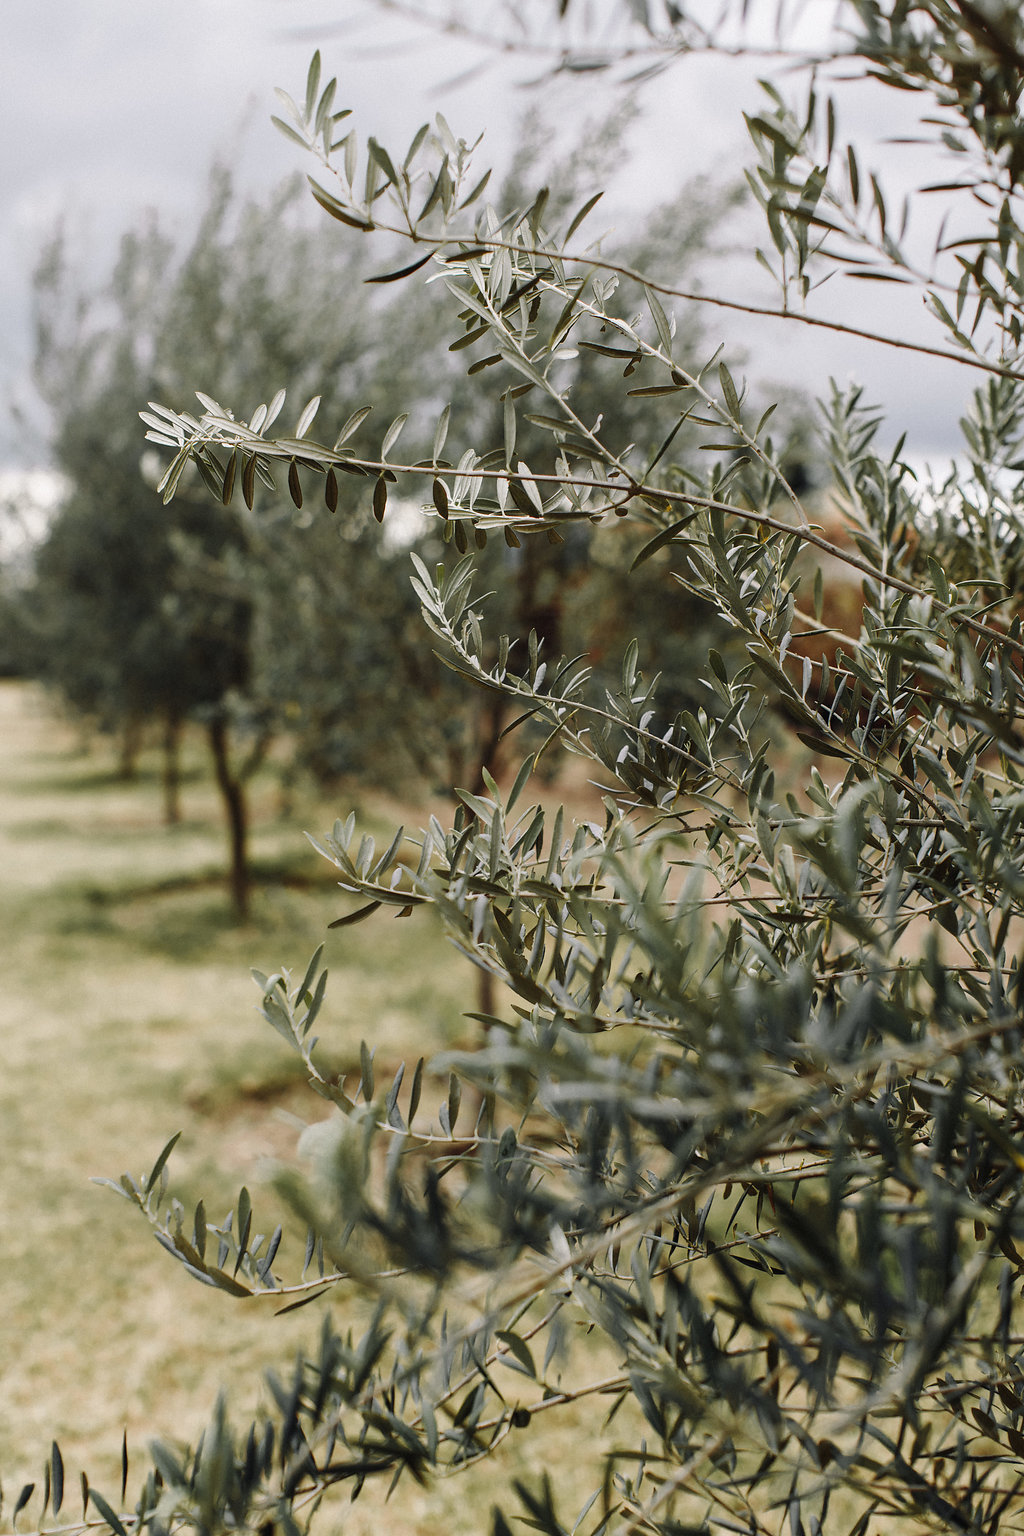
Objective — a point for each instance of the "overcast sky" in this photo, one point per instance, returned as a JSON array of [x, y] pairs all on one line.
[[114, 106]]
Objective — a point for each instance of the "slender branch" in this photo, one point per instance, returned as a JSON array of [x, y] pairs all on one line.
[[233, 434], [476, 241]]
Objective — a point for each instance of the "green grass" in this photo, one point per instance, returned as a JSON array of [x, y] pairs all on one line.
[[127, 1014]]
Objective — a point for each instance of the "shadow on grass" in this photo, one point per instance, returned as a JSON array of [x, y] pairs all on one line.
[[186, 917], [49, 827], [273, 1085], [53, 778]]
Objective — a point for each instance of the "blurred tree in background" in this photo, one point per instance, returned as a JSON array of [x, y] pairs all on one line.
[[262, 620]]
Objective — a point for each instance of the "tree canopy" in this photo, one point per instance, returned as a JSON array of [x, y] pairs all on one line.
[[135, 616]]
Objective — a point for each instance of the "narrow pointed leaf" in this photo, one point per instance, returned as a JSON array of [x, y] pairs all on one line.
[[392, 434], [395, 277]]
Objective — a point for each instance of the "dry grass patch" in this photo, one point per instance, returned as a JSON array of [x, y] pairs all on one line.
[[128, 1014]]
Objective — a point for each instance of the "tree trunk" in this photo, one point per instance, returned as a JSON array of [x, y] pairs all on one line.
[[172, 769], [232, 789], [485, 996], [129, 748], [493, 713]]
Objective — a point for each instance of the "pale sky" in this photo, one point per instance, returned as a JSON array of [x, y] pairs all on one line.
[[113, 106]]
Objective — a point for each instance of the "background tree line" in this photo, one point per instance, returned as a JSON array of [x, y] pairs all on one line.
[[265, 622]]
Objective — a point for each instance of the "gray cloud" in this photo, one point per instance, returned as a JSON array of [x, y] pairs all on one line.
[[114, 106]]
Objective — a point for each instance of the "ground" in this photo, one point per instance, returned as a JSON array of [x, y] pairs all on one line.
[[127, 1014]]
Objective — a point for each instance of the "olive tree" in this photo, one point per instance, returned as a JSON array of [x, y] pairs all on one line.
[[747, 1113], [139, 617]]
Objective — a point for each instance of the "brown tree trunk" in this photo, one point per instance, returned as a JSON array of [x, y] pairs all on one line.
[[493, 715], [492, 722], [485, 995], [172, 769], [232, 789], [129, 748]]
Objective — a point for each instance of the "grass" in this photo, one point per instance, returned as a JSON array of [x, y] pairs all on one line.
[[128, 1014]]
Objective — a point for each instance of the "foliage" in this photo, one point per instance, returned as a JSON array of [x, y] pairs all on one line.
[[748, 1106], [133, 615], [98, 627]]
